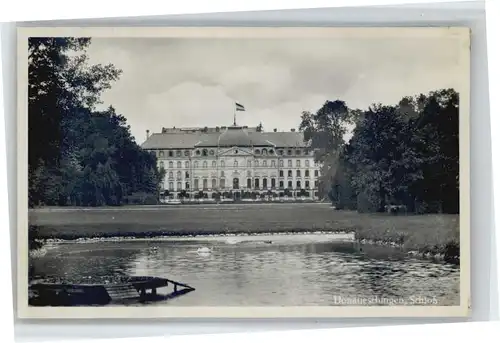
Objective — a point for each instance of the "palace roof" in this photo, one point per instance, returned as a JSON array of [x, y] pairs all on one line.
[[231, 136]]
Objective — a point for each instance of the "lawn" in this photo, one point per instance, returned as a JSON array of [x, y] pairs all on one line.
[[412, 232]]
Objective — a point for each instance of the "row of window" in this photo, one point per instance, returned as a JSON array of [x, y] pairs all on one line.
[[258, 151], [255, 184], [298, 173], [235, 164]]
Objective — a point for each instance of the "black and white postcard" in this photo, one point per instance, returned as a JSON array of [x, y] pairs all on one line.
[[243, 172]]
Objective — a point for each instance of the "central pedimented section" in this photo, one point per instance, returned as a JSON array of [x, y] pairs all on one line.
[[236, 151]]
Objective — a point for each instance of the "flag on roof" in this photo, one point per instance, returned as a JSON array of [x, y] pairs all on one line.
[[240, 107]]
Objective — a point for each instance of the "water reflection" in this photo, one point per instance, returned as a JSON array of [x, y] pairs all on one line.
[[256, 274]]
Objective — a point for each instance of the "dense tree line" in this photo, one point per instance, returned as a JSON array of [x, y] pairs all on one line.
[[405, 154], [76, 154]]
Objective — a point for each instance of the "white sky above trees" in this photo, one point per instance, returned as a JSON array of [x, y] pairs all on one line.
[[195, 82]]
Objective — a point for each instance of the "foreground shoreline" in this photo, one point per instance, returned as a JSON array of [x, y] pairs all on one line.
[[431, 236]]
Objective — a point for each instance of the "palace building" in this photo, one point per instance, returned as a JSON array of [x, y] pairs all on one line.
[[235, 162]]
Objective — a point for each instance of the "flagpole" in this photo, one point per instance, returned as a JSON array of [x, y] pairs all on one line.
[[234, 115]]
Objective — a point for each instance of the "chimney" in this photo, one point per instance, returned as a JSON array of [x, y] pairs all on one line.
[[293, 130], [275, 130], [147, 134]]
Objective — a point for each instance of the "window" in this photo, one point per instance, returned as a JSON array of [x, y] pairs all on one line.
[[186, 164], [222, 174], [290, 173], [307, 173], [307, 184], [298, 184], [222, 164], [214, 164], [297, 152], [179, 164], [205, 164], [264, 163], [249, 183], [170, 175], [178, 153], [316, 173], [273, 183], [281, 163], [298, 173], [171, 154], [271, 151], [307, 163], [298, 163], [290, 184], [264, 183], [162, 165], [205, 184], [280, 152], [214, 183], [187, 185], [179, 175], [249, 173], [264, 151], [289, 152], [249, 163], [212, 152], [257, 152], [196, 184], [198, 152], [235, 163], [161, 154], [222, 182], [316, 184], [282, 184], [186, 153], [256, 183], [170, 164], [196, 164], [256, 163], [289, 163], [205, 152], [179, 186], [281, 173], [273, 164], [171, 186], [316, 163]]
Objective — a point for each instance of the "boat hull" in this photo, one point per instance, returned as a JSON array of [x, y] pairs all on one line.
[[130, 290]]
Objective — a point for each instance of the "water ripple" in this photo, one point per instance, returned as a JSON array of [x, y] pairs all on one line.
[[245, 272]]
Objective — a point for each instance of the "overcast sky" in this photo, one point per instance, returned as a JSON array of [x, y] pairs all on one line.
[[195, 82]]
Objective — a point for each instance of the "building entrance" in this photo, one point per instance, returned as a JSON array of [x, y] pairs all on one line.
[[236, 189]]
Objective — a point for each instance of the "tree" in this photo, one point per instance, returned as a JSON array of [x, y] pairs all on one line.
[[77, 155], [407, 154], [324, 132], [438, 133]]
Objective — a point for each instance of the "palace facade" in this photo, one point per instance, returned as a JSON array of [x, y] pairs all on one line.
[[234, 162]]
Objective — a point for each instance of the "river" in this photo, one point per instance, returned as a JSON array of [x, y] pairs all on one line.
[[278, 270]]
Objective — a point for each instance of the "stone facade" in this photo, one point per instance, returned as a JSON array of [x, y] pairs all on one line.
[[236, 162]]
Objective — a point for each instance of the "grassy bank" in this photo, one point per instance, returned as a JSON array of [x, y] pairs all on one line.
[[425, 234]]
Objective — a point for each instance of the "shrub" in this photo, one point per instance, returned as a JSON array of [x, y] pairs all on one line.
[[33, 241], [150, 200], [365, 204], [452, 252]]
